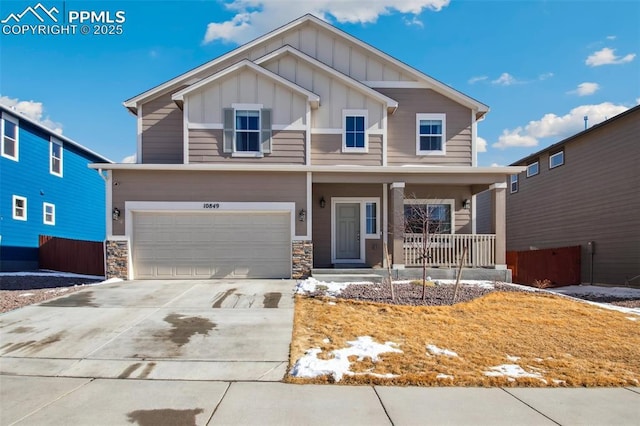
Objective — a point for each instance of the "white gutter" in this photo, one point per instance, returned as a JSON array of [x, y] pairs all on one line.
[[466, 170]]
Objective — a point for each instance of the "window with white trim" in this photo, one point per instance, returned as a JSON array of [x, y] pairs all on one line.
[[55, 157], [432, 216], [247, 130], [371, 219], [514, 183], [431, 134], [533, 169], [19, 208], [10, 143], [48, 214], [354, 136], [556, 159]]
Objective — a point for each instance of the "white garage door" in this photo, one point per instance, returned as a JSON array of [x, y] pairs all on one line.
[[211, 245]]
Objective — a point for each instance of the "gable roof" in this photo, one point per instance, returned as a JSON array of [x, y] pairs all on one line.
[[480, 108], [576, 136], [50, 132], [391, 104], [314, 99]]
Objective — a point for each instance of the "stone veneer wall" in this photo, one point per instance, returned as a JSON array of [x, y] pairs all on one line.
[[302, 259], [117, 259]]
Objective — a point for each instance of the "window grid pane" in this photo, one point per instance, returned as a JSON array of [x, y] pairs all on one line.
[[247, 131], [430, 135], [436, 218], [354, 132], [372, 225]]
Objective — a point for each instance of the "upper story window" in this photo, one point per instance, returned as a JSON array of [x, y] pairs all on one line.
[[430, 134], [55, 157], [556, 159], [10, 143], [247, 130], [48, 214], [19, 208], [514, 183], [533, 169], [430, 216], [354, 137]]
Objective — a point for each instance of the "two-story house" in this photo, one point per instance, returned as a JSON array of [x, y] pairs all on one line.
[[583, 191], [303, 148], [46, 188]]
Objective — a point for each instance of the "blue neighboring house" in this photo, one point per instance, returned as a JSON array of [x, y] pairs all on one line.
[[46, 188]]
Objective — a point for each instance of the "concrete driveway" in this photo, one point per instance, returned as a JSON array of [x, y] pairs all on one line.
[[173, 330]]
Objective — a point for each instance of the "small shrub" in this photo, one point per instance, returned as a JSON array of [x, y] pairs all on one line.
[[542, 283]]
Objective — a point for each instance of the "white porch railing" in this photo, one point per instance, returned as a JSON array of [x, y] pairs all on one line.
[[447, 249]]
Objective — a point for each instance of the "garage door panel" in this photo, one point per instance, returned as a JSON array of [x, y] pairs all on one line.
[[212, 245]]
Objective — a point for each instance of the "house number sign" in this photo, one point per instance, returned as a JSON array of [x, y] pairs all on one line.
[[211, 205]]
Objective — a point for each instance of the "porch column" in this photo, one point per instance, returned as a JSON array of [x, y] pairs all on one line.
[[498, 225], [396, 199]]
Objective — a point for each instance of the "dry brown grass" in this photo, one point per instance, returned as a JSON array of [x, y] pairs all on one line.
[[569, 343]]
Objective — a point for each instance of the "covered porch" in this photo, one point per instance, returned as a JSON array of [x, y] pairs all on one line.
[[357, 218]]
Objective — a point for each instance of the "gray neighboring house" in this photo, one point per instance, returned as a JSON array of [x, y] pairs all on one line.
[[585, 188], [302, 149]]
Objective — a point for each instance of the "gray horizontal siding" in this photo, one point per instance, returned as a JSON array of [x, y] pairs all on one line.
[[151, 185], [402, 128], [594, 196], [205, 146], [326, 149], [162, 132]]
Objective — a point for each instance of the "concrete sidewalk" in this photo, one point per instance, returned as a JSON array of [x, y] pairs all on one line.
[[74, 401]]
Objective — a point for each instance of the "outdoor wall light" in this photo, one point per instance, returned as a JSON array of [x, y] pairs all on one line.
[[466, 204], [302, 215], [115, 214], [323, 203]]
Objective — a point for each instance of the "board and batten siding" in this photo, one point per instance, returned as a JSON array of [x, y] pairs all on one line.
[[326, 150], [401, 128], [162, 133], [205, 146], [173, 186], [594, 196], [337, 52], [334, 94], [247, 87]]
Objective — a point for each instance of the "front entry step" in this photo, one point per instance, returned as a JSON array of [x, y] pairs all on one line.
[[348, 275]]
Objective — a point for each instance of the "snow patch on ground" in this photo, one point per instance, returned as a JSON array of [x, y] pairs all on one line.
[[311, 285], [434, 350], [444, 376], [577, 291], [364, 347], [47, 273], [26, 294], [513, 358], [512, 371]]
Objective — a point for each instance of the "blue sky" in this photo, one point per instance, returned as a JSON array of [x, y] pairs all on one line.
[[540, 65]]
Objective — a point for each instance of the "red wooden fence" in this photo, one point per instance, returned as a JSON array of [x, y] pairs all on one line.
[[65, 255], [561, 266]]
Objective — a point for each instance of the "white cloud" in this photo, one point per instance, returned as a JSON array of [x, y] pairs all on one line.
[[481, 144], [558, 127], [130, 159], [637, 101], [413, 21], [474, 80], [611, 37], [585, 89], [256, 17], [505, 79], [33, 110], [496, 165], [607, 56], [545, 76]]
